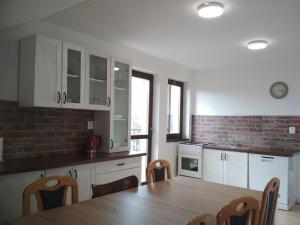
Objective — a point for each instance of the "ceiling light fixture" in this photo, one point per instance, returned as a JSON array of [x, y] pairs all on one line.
[[257, 44], [210, 9], [116, 69]]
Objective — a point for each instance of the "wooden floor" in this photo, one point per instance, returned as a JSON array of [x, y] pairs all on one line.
[[291, 217]]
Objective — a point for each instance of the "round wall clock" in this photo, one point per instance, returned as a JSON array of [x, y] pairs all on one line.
[[279, 90]]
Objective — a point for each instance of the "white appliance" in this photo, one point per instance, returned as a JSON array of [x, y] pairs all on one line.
[[190, 159], [262, 168]]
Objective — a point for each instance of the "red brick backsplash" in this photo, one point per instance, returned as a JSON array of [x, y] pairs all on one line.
[[29, 132], [259, 131]]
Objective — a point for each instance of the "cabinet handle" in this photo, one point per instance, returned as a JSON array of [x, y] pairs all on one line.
[[112, 144], [70, 173], [65, 97], [121, 164], [222, 158], [75, 171], [226, 156], [267, 157], [59, 97], [42, 176], [109, 101]]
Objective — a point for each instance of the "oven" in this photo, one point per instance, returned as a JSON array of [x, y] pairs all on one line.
[[190, 160]]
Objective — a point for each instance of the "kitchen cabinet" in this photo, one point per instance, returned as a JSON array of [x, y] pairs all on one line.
[[225, 167], [114, 126], [82, 173], [12, 186], [11, 194], [73, 76], [40, 72], [110, 171], [213, 166], [97, 91], [52, 73], [262, 168]]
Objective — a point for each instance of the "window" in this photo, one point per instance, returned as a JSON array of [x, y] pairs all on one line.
[[175, 110]]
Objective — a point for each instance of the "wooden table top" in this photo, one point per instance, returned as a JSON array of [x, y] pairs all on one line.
[[168, 202]]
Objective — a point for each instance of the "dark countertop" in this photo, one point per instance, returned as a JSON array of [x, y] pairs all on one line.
[[254, 150], [56, 161]]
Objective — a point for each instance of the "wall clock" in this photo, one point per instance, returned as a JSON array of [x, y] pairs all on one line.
[[279, 90]]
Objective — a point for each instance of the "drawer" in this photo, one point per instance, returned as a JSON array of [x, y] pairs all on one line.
[[115, 165], [117, 175]]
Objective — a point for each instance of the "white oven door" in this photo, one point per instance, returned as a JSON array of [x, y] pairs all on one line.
[[190, 165]]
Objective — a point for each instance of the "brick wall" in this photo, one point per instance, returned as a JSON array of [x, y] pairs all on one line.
[[260, 131], [30, 132]]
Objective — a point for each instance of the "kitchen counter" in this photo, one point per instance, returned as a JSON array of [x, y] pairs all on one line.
[[56, 161], [254, 150]]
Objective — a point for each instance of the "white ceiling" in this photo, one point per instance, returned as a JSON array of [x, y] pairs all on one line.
[[17, 12], [172, 30]]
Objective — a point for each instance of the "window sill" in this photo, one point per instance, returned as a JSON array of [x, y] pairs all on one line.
[[177, 140]]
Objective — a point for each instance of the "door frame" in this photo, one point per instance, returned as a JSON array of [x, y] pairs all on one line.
[[149, 77]]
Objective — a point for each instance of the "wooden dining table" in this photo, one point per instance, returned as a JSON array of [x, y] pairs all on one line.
[[171, 202]]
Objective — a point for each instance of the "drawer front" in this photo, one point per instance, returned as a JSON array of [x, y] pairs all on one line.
[[115, 165], [117, 175]]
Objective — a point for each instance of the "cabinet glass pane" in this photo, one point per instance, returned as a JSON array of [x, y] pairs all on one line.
[[73, 76], [98, 80], [121, 102]]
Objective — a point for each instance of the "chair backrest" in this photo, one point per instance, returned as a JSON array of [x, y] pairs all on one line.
[[156, 171], [116, 186], [269, 202], [205, 219], [49, 197], [241, 211]]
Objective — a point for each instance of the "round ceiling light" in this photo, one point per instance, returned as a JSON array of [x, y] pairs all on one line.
[[210, 9], [257, 44]]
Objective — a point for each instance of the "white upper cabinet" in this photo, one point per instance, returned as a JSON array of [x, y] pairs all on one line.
[[97, 88], [120, 109], [73, 76], [40, 72]]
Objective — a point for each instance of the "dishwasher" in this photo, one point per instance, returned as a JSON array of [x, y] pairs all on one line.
[[263, 168]]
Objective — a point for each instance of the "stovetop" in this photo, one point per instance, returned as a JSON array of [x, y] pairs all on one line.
[[197, 143]]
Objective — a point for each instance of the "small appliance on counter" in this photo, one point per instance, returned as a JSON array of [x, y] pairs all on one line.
[[93, 143]]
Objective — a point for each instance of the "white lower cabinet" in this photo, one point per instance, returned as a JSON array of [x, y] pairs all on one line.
[[237, 169], [11, 194], [82, 174], [12, 186], [225, 167], [213, 166], [110, 171]]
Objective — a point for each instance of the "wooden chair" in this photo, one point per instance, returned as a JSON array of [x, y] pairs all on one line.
[[49, 197], [156, 171], [116, 186], [241, 211], [205, 219], [269, 202]]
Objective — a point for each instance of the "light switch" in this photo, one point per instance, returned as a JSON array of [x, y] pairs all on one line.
[[292, 130], [90, 125]]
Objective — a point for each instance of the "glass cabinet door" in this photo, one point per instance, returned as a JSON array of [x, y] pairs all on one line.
[[73, 79], [121, 106], [97, 95]]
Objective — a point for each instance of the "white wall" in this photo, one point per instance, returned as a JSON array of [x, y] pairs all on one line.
[[9, 59], [244, 90]]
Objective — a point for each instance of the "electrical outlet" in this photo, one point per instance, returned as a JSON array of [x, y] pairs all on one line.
[[292, 130], [90, 125]]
